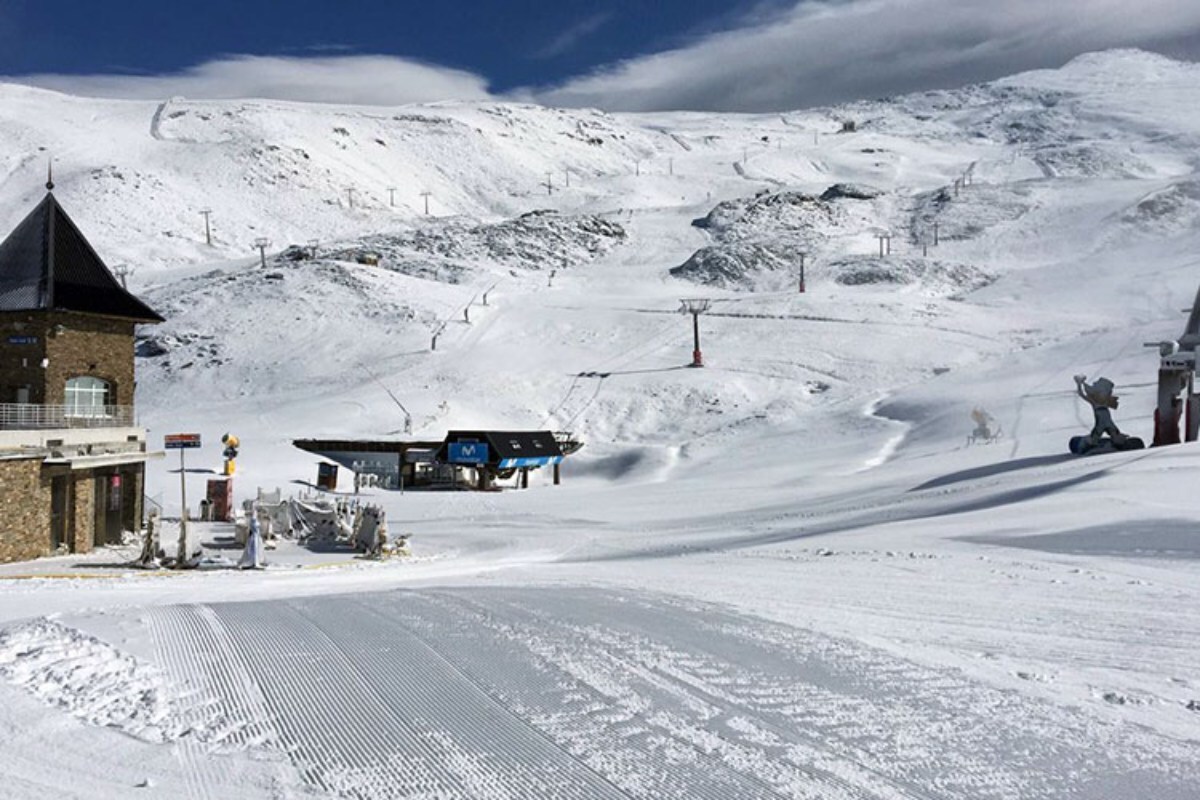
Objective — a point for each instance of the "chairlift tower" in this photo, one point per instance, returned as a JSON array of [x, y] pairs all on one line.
[[885, 242], [261, 245], [695, 307]]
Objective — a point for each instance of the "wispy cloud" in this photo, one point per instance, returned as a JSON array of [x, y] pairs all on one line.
[[824, 51], [573, 35], [814, 52], [353, 79]]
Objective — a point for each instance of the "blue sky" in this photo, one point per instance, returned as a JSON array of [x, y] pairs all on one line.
[[513, 43], [753, 55]]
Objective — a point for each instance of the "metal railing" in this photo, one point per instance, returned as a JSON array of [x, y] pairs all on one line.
[[31, 416]]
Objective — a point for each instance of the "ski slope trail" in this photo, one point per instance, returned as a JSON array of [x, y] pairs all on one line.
[[590, 693], [216, 696], [364, 709]]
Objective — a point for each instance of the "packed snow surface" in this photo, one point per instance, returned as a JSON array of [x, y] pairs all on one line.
[[787, 574]]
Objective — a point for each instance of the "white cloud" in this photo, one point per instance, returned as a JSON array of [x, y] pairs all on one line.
[[355, 79], [573, 35], [818, 52], [825, 51]]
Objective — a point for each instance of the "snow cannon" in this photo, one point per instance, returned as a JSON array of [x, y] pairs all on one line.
[[231, 443], [987, 430], [1177, 398], [1105, 437]]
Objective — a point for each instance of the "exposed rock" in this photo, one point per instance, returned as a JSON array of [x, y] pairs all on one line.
[[850, 191], [295, 252], [151, 347], [738, 264], [937, 277], [450, 249], [758, 239], [777, 211]]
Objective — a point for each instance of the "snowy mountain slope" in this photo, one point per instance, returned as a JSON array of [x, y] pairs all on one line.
[[1016, 215], [1002, 620], [989, 230], [293, 173]]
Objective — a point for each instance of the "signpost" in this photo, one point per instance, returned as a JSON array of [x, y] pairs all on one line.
[[182, 442]]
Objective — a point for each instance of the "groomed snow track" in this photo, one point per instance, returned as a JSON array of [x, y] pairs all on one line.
[[586, 693]]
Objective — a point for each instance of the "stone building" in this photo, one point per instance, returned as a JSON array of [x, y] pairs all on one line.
[[72, 458]]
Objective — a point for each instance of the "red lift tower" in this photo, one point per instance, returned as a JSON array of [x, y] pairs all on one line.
[[695, 307]]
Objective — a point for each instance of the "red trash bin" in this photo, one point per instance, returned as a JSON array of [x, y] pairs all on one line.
[[220, 499]]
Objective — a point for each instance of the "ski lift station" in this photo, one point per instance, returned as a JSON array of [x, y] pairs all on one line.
[[463, 460]]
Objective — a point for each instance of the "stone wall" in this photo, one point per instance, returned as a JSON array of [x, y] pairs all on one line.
[[79, 344], [72, 345], [83, 511], [25, 500]]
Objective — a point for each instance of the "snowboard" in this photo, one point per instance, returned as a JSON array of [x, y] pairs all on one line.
[[1080, 447]]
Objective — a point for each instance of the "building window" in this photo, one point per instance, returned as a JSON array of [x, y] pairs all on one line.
[[87, 397]]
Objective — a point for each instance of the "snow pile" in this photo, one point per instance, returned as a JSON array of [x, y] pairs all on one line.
[[92, 680]]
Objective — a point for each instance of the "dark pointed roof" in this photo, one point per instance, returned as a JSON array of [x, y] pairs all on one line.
[[47, 265]]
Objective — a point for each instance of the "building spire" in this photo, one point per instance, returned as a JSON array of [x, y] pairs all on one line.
[[50, 175]]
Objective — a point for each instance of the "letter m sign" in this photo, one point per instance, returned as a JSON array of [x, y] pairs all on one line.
[[468, 453]]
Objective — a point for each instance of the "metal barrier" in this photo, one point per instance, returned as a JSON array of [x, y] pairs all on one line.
[[31, 416]]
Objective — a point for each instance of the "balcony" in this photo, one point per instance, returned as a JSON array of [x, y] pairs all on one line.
[[30, 417]]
